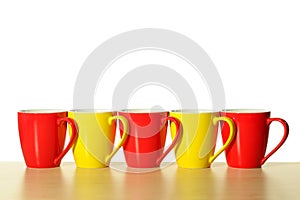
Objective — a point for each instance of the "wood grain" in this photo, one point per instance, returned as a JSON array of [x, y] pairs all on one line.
[[272, 181]]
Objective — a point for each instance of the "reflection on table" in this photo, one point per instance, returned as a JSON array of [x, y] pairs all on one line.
[[273, 181]]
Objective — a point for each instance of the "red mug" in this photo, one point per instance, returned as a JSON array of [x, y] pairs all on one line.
[[146, 138], [42, 136], [250, 143]]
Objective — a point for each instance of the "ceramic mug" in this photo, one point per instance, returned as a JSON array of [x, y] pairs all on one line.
[[196, 147], [94, 147], [144, 147], [249, 146], [42, 136]]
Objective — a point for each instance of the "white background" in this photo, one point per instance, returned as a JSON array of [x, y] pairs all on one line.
[[255, 46]]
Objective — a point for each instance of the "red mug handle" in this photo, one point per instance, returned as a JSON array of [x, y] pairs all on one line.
[[73, 137], [175, 140], [285, 135]]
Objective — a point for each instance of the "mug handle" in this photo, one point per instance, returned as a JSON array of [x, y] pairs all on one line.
[[73, 137], [123, 139], [285, 135], [229, 139], [175, 140]]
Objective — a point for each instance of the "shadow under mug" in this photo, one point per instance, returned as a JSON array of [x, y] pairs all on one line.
[[196, 147], [250, 143], [94, 147], [42, 136], [144, 146]]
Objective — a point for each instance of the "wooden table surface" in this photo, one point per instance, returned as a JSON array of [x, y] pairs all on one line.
[[272, 181]]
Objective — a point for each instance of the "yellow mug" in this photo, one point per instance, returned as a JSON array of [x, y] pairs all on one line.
[[94, 147], [196, 147]]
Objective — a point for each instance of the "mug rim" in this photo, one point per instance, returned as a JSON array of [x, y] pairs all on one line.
[[194, 111], [142, 111], [91, 110], [245, 110], [42, 111]]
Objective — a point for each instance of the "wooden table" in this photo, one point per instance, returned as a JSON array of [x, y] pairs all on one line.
[[273, 181]]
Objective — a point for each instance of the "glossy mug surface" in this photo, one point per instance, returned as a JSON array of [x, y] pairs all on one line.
[[249, 146], [42, 136], [94, 147], [196, 147], [144, 147]]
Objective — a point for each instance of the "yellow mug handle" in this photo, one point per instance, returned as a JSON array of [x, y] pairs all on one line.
[[123, 139], [230, 138]]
